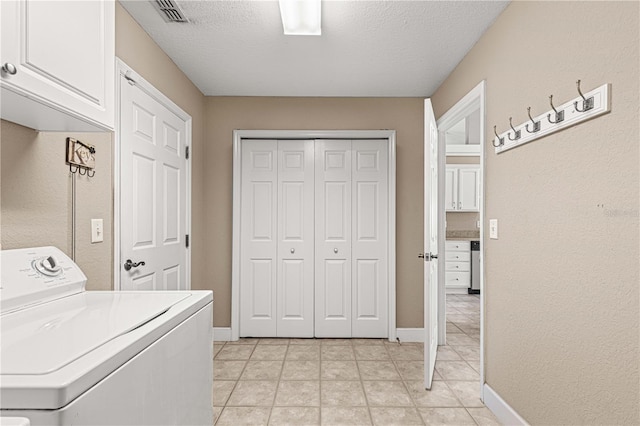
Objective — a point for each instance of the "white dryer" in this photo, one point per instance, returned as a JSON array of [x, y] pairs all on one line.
[[75, 357]]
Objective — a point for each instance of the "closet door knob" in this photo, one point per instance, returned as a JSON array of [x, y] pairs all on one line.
[[9, 68], [293, 250], [335, 250]]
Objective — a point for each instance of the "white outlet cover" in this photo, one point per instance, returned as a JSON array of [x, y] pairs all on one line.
[[493, 229]]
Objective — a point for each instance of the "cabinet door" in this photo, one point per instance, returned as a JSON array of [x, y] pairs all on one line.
[[451, 189], [295, 239], [64, 56], [469, 189], [258, 258], [333, 238], [369, 221]]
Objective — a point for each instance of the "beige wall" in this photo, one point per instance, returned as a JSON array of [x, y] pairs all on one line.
[[562, 286], [140, 52], [36, 197], [36, 190], [224, 114]]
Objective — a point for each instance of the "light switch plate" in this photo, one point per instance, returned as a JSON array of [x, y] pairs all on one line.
[[493, 229], [97, 231]]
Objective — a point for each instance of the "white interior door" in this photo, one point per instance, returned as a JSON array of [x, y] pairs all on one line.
[[258, 267], [153, 194], [430, 242], [333, 299], [370, 238], [295, 273]]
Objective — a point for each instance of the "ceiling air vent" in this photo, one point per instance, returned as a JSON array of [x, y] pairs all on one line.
[[170, 11]]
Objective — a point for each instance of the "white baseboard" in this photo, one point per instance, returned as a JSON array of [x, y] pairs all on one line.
[[221, 334], [410, 334], [499, 407]]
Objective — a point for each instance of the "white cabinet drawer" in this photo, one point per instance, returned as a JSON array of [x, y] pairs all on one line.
[[457, 245], [457, 256], [457, 266], [462, 279]]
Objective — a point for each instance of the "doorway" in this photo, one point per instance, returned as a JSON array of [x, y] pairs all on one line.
[[334, 275], [152, 188], [461, 279]]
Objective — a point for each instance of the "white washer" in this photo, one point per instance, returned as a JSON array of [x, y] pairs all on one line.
[[75, 357]]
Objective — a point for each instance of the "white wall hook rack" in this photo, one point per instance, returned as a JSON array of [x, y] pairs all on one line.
[[585, 107]]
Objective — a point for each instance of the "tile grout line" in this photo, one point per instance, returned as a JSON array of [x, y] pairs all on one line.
[[275, 395], [364, 392]]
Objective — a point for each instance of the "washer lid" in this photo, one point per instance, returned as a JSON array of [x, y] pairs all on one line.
[[44, 338]]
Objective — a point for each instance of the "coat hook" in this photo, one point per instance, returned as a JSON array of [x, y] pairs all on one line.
[[91, 174], [500, 140], [536, 124], [515, 132], [80, 171], [71, 168], [587, 104], [559, 114]]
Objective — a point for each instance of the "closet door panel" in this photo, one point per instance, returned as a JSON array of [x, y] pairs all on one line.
[[336, 290], [295, 277], [259, 239], [370, 238], [333, 238]]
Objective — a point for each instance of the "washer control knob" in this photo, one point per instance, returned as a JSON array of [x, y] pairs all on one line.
[[48, 266]]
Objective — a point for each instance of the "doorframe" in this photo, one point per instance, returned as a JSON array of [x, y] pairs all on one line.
[[125, 73], [472, 100], [238, 135]]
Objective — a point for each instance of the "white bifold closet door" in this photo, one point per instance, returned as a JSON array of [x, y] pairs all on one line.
[[314, 238], [276, 289], [295, 239], [351, 238]]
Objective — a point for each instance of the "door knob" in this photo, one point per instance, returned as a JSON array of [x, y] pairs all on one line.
[[9, 68], [129, 264], [293, 250], [335, 250], [421, 255]]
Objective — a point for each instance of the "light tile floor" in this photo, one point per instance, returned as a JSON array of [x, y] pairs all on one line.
[[352, 381]]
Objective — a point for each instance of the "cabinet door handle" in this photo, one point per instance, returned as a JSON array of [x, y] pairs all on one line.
[[9, 68]]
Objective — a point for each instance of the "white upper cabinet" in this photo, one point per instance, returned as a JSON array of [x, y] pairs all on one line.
[[58, 64], [462, 188]]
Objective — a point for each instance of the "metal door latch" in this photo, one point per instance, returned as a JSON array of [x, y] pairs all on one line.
[[129, 264]]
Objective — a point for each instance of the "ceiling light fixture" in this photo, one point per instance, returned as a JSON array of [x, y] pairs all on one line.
[[300, 17]]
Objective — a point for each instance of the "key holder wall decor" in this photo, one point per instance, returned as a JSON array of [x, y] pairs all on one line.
[[584, 107], [80, 157]]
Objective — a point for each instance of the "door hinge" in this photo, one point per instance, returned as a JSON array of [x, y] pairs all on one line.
[[186, 152], [186, 240]]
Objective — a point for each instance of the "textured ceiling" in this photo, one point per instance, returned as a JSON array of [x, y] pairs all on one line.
[[367, 48]]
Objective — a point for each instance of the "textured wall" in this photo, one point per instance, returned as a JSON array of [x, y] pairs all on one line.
[[36, 197], [562, 281], [140, 52], [405, 115]]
